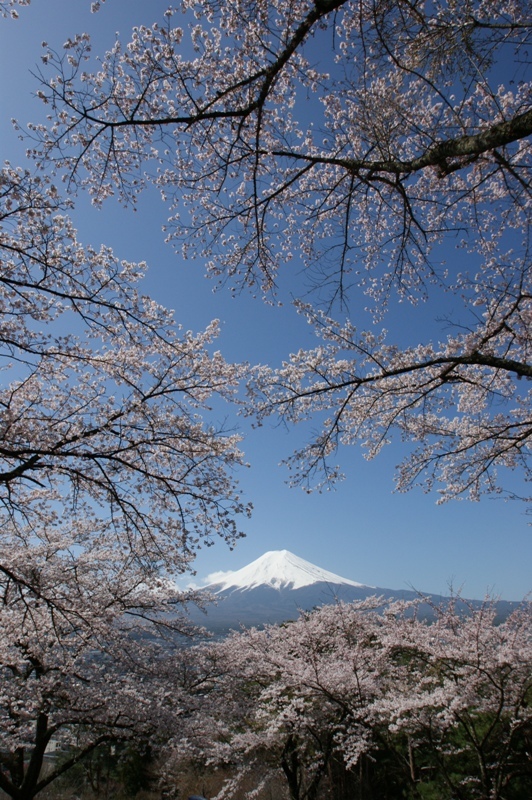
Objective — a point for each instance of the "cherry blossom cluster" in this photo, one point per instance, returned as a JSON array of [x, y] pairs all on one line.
[[8, 8]]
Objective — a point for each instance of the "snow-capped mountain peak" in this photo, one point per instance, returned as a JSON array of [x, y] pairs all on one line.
[[279, 569]]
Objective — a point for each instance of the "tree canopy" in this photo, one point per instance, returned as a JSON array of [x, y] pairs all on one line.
[[387, 146]]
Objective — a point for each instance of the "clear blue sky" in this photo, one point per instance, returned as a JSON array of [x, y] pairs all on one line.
[[362, 530]]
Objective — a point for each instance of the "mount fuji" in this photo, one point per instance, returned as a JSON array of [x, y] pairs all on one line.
[[279, 585], [278, 569], [274, 589]]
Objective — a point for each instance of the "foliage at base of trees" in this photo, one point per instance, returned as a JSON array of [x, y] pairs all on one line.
[[110, 771]]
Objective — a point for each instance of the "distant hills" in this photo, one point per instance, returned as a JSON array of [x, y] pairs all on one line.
[[277, 586]]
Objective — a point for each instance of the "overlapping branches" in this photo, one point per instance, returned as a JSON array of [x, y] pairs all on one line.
[[462, 400], [101, 406], [365, 139]]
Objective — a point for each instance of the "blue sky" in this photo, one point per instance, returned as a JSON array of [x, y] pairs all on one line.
[[362, 530]]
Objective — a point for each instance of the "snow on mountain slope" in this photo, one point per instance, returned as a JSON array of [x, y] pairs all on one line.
[[279, 569]]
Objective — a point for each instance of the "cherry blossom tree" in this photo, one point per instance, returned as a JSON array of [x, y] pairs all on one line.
[[464, 699], [79, 668], [100, 408], [392, 704], [110, 480], [368, 139], [287, 700]]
